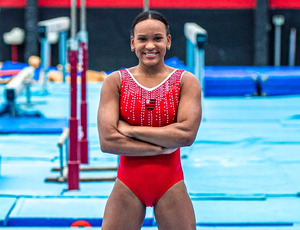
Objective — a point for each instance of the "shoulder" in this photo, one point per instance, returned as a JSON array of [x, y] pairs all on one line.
[[189, 77], [189, 80], [112, 80]]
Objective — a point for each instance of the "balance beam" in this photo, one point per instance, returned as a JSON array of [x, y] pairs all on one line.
[[14, 88], [56, 24]]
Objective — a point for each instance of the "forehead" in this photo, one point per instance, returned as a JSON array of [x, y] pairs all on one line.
[[150, 26]]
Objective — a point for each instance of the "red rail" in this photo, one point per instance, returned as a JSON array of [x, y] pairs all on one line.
[[83, 106], [73, 163]]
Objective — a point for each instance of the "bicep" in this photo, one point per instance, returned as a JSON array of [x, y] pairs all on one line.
[[189, 108], [108, 111]]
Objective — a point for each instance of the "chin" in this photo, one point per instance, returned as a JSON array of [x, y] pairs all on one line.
[[151, 62]]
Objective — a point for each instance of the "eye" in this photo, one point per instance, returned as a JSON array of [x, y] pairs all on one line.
[[142, 39], [158, 38]]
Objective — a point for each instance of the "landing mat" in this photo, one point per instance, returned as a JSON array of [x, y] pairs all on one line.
[[32, 125]]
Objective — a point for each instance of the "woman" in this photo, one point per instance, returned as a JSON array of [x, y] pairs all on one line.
[[146, 113]]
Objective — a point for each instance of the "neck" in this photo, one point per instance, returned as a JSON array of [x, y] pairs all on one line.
[[153, 71]]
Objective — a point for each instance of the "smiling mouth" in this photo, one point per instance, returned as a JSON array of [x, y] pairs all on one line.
[[151, 55]]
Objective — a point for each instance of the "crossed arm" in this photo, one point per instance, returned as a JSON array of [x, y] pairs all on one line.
[[118, 137]]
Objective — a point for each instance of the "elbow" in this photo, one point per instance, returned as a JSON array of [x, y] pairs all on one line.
[[108, 141], [105, 146], [110, 144], [187, 140]]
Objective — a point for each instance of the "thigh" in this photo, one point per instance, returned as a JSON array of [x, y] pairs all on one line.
[[123, 209], [174, 210]]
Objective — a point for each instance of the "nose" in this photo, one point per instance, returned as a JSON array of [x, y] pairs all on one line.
[[150, 45]]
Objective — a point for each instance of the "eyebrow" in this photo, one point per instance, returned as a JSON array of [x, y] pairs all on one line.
[[157, 34]]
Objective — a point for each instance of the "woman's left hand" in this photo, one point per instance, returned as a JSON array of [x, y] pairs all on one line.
[[124, 128]]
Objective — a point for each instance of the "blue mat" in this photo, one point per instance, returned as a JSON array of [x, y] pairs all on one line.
[[270, 212], [176, 63], [60, 212], [251, 80], [32, 125], [220, 213], [6, 205], [246, 80], [9, 65], [280, 82], [230, 83], [155, 228]]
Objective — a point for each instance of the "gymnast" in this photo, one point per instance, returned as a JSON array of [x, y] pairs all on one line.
[[146, 113]]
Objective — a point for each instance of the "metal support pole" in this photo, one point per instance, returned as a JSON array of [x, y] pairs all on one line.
[[278, 21], [196, 40], [146, 5], [45, 57], [199, 72], [73, 163], [190, 56], [28, 93], [199, 68], [83, 16], [63, 52], [73, 19], [292, 47]]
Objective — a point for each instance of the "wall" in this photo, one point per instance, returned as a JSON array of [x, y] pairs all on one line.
[[229, 24]]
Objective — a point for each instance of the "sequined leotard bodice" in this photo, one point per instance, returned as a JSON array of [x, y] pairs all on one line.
[[150, 177]]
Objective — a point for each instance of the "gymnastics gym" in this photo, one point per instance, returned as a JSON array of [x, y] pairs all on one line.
[[243, 170]]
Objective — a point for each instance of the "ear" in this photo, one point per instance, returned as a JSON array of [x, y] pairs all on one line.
[[169, 41], [132, 43]]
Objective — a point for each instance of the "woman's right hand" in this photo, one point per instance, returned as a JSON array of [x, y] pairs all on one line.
[[168, 151]]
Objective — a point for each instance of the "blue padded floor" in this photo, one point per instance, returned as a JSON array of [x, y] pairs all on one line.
[[7, 204], [242, 172], [247, 212], [155, 228], [32, 125], [52, 212], [210, 211]]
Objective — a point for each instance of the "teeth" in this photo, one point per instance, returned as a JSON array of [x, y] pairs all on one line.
[[150, 54]]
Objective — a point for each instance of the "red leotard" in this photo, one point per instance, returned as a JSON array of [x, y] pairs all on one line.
[[150, 177]]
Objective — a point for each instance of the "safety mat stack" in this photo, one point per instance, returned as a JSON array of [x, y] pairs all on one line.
[[230, 82], [251, 81], [282, 81], [247, 80]]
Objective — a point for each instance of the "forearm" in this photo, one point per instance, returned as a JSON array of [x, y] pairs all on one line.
[[175, 135], [111, 140], [122, 145], [184, 130], [181, 133]]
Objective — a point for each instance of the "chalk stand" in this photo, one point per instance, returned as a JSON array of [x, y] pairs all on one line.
[[15, 37]]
